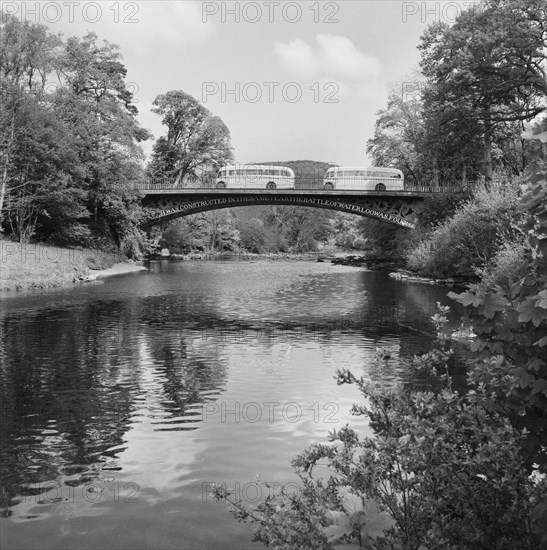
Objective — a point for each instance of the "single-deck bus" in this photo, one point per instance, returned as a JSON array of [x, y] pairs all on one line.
[[255, 176], [357, 178]]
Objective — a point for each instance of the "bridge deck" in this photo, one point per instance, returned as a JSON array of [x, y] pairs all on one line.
[[413, 192]]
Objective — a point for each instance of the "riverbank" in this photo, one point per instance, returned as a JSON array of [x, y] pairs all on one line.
[[117, 269], [39, 266]]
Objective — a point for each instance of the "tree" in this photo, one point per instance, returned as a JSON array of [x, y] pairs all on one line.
[[398, 134], [489, 63], [253, 236], [71, 156], [195, 138], [27, 54]]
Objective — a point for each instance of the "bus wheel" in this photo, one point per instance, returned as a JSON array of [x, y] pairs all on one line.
[[328, 186], [221, 185], [380, 187], [270, 185]]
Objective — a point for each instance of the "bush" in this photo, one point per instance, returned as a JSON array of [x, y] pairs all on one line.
[[441, 206], [509, 264], [511, 327], [442, 471], [72, 234], [253, 236], [462, 245]]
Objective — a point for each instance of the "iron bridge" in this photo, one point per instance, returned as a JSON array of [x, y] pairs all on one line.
[[400, 208]]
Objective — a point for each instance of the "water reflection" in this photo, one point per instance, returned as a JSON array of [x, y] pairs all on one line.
[[121, 401]]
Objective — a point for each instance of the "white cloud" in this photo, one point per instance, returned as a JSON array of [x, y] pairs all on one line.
[[140, 26], [335, 56], [176, 23]]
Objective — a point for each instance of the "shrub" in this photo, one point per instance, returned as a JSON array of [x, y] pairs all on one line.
[[441, 206], [462, 245], [442, 471], [511, 324], [509, 264]]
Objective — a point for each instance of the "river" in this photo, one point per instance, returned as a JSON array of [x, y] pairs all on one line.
[[122, 401]]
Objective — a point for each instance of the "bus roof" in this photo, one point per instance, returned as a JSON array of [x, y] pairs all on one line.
[[255, 167], [376, 168]]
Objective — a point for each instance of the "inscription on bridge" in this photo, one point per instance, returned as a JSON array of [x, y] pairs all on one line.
[[399, 216]]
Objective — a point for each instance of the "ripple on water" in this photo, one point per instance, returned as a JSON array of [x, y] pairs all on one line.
[[123, 402]]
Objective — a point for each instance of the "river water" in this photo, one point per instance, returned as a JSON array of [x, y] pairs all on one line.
[[123, 401]]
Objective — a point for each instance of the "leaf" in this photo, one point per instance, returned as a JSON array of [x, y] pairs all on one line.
[[525, 310], [542, 299], [491, 304], [352, 504], [541, 342], [334, 532]]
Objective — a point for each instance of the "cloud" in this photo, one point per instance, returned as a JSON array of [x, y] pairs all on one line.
[[142, 27], [175, 22], [335, 56]]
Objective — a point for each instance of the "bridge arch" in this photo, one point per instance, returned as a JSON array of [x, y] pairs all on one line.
[[395, 208]]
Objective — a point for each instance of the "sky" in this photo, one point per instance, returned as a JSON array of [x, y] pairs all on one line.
[[292, 80]]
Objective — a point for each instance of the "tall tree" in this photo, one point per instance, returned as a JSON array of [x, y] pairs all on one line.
[[398, 134], [28, 53], [70, 155], [490, 63], [195, 141]]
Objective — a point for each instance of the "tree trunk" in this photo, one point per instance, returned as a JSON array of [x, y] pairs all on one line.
[[5, 170], [487, 149]]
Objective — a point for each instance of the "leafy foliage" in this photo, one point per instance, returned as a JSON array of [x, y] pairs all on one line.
[[71, 155], [196, 140], [486, 70], [464, 243], [443, 471], [511, 323]]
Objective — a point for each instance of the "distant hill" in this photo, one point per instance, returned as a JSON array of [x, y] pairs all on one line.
[[308, 173]]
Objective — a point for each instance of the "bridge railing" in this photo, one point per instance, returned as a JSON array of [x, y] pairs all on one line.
[[428, 189], [162, 183], [157, 184]]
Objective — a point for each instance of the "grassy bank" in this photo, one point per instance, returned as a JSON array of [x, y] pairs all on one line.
[[27, 266]]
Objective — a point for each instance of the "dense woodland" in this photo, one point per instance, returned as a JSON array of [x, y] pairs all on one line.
[[448, 468], [72, 160]]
